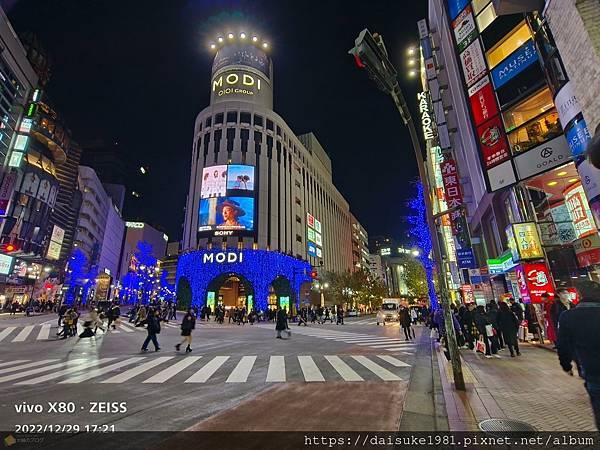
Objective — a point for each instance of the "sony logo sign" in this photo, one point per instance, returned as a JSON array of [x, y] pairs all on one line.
[[221, 257], [233, 78], [224, 233], [426, 121]]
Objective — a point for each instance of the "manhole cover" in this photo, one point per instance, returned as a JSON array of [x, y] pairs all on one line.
[[504, 425]]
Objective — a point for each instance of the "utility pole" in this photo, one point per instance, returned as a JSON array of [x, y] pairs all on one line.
[[370, 54]]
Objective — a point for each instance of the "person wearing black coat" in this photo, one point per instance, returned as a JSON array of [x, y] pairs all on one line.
[[153, 328], [406, 323], [509, 326], [579, 340], [187, 325], [482, 321], [281, 322], [493, 316]]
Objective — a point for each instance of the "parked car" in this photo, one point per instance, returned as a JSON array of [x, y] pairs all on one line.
[[352, 313]]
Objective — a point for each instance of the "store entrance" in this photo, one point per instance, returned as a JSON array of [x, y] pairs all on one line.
[[230, 290]]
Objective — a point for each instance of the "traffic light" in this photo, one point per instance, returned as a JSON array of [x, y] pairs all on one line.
[[314, 274], [370, 54], [9, 248]]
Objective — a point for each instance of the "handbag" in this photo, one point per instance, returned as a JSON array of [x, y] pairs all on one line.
[[489, 330], [480, 345]]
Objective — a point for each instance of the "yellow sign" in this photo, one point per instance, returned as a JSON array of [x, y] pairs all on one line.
[[524, 241]]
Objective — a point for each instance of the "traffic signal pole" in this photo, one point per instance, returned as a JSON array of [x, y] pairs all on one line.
[[370, 54]]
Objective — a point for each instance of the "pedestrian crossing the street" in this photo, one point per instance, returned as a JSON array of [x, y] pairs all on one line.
[[201, 369], [389, 344]]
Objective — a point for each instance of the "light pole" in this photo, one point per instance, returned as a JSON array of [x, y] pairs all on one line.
[[370, 53]]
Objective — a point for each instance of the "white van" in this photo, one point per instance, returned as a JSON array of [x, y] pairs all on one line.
[[388, 311]]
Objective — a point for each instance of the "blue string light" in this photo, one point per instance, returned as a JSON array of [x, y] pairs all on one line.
[[75, 275], [259, 267], [419, 232]]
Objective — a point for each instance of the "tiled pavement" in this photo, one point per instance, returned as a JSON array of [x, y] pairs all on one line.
[[531, 388]]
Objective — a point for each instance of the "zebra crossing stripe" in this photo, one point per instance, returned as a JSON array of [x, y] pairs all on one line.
[[345, 371], [381, 372], [44, 332], [97, 372], [242, 370], [170, 372], [276, 371], [128, 374], [208, 370], [10, 363], [23, 334], [16, 376], [130, 328], [309, 369], [26, 366], [79, 328], [393, 361], [124, 328], [68, 370], [403, 344], [395, 348], [6, 332]]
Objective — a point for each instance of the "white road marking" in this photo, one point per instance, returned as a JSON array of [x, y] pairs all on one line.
[[170, 372], [393, 361], [10, 363], [27, 366], [97, 372], [23, 334], [44, 332], [128, 374], [208, 370], [381, 372], [309, 369], [15, 376], [242, 370], [392, 349], [66, 371], [276, 372], [345, 371]]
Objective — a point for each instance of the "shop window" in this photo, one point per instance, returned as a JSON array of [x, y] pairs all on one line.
[[218, 118], [528, 109], [487, 16], [535, 132], [478, 5], [508, 45]]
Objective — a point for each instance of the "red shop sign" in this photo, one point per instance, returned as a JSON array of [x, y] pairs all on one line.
[[483, 101], [492, 142], [534, 280]]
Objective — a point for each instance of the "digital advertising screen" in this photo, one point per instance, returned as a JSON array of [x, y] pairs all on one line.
[[227, 201]]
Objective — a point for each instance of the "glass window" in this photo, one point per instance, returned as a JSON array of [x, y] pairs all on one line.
[[218, 118], [244, 117], [232, 117], [478, 5], [535, 132], [528, 109], [509, 44], [269, 124], [258, 120], [487, 16], [208, 121]]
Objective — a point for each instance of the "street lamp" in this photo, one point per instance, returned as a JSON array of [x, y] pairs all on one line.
[[370, 53]]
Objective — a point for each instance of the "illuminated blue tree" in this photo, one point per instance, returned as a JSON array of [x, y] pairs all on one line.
[[76, 275], [419, 233], [138, 283]]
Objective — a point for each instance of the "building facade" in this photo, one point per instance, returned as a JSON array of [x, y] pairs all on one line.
[[507, 150], [360, 245], [140, 232], [257, 187]]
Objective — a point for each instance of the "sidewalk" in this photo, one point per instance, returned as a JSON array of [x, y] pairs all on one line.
[[531, 388]]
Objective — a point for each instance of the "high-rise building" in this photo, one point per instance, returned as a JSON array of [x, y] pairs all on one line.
[[136, 232], [360, 245], [260, 196]]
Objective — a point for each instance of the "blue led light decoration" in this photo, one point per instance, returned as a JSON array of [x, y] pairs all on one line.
[[259, 267], [138, 283], [419, 233], [75, 275]]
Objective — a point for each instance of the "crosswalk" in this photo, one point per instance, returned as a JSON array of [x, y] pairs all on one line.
[[390, 344], [201, 369], [47, 331]]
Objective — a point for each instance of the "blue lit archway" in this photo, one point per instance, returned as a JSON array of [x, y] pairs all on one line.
[[259, 267]]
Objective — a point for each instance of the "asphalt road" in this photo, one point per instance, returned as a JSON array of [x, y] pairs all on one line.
[[325, 377]]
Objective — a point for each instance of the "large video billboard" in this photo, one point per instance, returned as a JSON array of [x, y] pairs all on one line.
[[227, 199]]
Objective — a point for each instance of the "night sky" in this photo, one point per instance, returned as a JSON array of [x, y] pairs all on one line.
[[138, 73]]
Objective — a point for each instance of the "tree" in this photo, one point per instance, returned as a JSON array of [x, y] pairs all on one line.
[[352, 288], [140, 284], [414, 277], [419, 232], [75, 275]]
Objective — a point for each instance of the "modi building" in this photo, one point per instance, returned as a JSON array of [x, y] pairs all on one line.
[[262, 212]]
